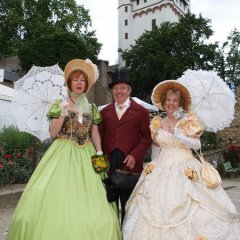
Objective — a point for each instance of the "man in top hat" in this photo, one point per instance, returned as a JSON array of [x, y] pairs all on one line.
[[124, 131]]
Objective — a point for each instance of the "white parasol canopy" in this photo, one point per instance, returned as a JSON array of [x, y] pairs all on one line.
[[212, 99], [33, 96]]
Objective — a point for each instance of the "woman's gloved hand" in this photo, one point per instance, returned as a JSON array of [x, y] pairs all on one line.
[[99, 153], [64, 108], [193, 143]]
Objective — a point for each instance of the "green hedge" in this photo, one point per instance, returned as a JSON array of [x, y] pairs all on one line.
[[11, 140]]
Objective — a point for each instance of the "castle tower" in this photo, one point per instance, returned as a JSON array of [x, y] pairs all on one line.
[[136, 16]]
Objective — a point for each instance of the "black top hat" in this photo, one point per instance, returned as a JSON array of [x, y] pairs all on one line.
[[120, 77]]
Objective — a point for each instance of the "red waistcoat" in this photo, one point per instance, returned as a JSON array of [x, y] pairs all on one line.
[[130, 134]]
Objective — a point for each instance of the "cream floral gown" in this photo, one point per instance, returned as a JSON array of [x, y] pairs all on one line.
[[167, 204]]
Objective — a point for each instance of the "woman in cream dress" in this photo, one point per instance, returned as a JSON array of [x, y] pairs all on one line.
[[170, 200]]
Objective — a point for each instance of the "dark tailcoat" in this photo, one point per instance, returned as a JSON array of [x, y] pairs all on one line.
[[130, 134]]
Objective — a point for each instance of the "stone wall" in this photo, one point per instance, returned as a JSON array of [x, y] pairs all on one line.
[[216, 155], [231, 135], [12, 64], [100, 93]]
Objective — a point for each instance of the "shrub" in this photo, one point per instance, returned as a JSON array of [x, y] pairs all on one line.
[[11, 139], [208, 141], [232, 154], [19, 155], [16, 167]]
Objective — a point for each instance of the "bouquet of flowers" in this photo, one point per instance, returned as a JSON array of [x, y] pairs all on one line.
[[100, 163]]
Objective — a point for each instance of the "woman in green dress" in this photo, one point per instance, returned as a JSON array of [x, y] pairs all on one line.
[[65, 198]]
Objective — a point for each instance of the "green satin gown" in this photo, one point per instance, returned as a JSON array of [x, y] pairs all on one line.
[[65, 199]]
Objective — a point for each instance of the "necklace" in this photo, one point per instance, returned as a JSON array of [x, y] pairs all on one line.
[[171, 124]]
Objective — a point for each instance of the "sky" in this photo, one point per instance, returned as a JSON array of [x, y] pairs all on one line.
[[224, 16]]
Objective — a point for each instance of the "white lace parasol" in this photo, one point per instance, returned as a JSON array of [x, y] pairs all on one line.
[[212, 99], [33, 96]]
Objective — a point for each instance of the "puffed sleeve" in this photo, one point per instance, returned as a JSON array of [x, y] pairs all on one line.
[[55, 110], [192, 125], [155, 124], [97, 118]]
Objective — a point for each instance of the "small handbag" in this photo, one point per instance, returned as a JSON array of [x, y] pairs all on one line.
[[124, 179], [208, 173]]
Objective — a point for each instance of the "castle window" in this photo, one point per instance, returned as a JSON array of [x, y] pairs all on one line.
[[154, 24], [126, 35], [126, 22], [145, 1], [137, 2], [126, 9]]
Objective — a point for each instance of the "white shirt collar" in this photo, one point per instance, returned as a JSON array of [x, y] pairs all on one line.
[[126, 104]]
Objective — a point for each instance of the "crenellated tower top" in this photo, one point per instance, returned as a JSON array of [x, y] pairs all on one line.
[[136, 16]]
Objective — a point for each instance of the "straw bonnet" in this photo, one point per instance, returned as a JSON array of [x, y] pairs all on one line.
[[85, 66], [159, 94]]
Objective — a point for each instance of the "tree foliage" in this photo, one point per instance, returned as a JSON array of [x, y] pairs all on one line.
[[167, 51], [55, 48], [191, 42], [228, 58], [23, 21]]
